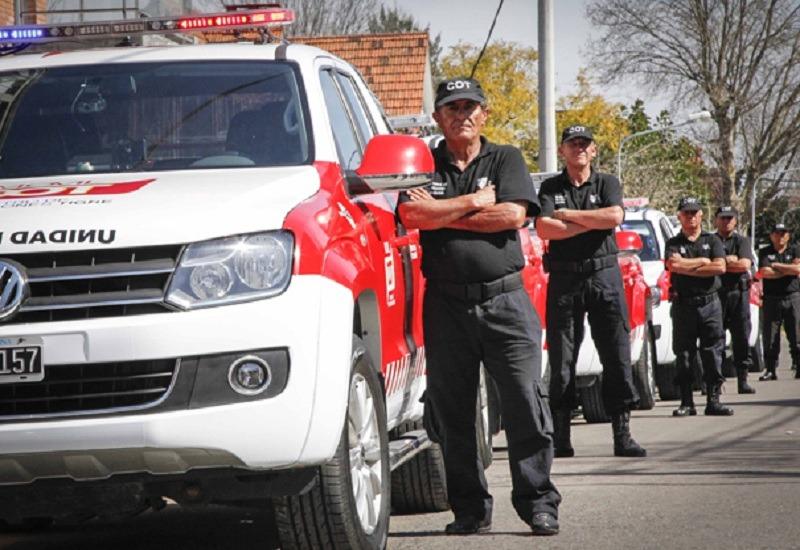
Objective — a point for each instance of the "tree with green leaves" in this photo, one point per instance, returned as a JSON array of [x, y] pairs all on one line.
[[508, 75]]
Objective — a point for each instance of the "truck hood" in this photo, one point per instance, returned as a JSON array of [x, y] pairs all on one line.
[[149, 208]]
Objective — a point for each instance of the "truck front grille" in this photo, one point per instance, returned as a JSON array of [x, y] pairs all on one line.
[[95, 283], [89, 388]]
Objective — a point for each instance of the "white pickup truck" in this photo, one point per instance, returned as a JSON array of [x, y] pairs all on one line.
[[204, 293]]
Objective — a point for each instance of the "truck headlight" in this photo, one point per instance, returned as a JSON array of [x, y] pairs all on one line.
[[233, 269]]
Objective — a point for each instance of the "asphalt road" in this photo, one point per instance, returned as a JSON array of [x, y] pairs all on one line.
[[707, 483]]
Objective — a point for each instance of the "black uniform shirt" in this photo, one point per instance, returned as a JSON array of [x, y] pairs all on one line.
[[736, 245], [786, 284], [458, 256], [599, 191], [708, 246]]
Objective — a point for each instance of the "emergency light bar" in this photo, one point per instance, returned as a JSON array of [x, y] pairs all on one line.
[[32, 34]]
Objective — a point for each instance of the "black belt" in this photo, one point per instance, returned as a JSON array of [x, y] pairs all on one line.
[[479, 292], [582, 266], [695, 300]]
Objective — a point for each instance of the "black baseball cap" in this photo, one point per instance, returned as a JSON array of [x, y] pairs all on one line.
[[459, 88], [573, 132], [692, 204], [726, 212], [779, 228]]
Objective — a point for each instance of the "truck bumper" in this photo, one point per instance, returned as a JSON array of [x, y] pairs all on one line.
[[299, 426]]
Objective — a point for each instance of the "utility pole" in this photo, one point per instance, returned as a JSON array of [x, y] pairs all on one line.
[[547, 112]]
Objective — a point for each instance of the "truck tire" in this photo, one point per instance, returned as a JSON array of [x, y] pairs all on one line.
[[420, 485], [665, 380], [348, 506], [592, 398], [644, 377]]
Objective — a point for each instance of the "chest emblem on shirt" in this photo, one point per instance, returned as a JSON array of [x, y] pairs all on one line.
[[438, 187], [482, 182], [559, 200], [683, 250], [705, 246], [771, 257], [593, 198]]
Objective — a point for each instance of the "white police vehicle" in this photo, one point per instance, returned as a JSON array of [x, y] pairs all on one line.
[[204, 292]]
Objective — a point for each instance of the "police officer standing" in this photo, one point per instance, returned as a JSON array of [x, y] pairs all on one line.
[[580, 209], [695, 259], [779, 268], [476, 310], [734, 293]]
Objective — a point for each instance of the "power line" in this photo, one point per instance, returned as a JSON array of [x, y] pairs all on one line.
[[488, 37]]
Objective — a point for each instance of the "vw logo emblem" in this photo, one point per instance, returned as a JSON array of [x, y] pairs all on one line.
[[13, 288]]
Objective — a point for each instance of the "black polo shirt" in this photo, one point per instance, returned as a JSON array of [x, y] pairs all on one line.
[[736, 245], [599, 191], [458, 256], [786, 284], [708, 246]]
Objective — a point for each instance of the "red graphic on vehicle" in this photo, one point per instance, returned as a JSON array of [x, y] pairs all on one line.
[[79, 188]]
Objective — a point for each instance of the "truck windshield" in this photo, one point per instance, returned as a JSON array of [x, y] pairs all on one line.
[[645, 230], [151, 116]]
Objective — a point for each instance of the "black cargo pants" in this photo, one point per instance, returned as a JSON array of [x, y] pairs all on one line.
[[504, 333], [693, 319], [781, 310], [736, 318], [600, 294]]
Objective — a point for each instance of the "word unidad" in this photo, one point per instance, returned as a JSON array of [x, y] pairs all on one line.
[[61, 236]]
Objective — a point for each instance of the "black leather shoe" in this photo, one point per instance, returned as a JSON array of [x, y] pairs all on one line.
[[768, 375], [468, 526], [685, 410], [544, 524]]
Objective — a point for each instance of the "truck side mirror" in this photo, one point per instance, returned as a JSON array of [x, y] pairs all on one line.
[[629, 241], [393, 162]]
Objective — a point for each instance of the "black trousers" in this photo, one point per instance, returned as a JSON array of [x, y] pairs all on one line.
[[781, 310], [570, 297], [693, 321], [736, 319], [504, 333]]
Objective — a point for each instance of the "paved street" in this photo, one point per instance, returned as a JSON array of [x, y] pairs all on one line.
[[708, 483]]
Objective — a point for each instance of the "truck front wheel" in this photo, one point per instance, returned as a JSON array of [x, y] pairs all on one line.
[[348, 507]]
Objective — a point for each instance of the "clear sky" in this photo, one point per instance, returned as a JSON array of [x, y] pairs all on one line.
[[469, 21]]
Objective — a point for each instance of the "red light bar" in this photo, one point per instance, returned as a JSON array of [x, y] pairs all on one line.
[[29, 34]]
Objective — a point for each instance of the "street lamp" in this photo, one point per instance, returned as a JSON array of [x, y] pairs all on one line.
[[774, 174], [691, 119]]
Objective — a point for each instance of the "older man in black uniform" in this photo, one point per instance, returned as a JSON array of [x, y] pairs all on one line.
[[734, 293], [580, 209], [476, 310], [779, 268], [695, 259]]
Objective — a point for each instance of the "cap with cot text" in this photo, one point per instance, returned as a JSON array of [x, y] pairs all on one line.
[[459, 88], [779, 228], [574, 132], [726, 212], [689, 204]]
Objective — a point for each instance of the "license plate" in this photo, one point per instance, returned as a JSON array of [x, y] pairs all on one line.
[[21, 360]]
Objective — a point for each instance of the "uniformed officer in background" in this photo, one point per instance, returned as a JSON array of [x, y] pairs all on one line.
[[734, 294], [580, 210], [779, 268], [477, 311], [695, 259]]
